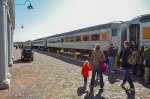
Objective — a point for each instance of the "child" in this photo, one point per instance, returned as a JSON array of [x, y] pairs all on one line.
[[85, 72]]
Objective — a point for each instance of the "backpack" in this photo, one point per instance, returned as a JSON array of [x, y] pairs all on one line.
[[131, 59]]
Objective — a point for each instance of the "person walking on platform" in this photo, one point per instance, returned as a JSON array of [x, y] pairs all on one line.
[[147, 65], [85, 72], [120, 58], [135, 52], [96, 57], [111, 55], [127, 67], [140, 60]]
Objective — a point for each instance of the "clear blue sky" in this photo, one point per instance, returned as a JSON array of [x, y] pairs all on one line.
[[51, 17]]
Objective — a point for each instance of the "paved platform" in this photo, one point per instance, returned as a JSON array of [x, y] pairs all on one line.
[[52, 76]]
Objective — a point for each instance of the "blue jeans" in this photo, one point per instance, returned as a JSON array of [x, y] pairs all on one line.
[[85, 81], [127, 77], [94, 71], [111, 63]]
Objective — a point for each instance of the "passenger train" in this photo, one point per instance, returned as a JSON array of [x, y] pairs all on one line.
[[83, 40]]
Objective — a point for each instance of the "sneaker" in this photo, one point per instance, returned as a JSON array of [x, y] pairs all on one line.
[[101, 88], [122, 85], [131, 89]]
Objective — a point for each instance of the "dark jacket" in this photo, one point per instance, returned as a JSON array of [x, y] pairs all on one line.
[[111, 52], [147, 57], [140, 57], [147, 63], [120, 54], [127, 51], [132, 46]]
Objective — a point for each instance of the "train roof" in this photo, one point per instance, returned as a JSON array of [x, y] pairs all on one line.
[[141, 18], [39, 39], [92, 28]]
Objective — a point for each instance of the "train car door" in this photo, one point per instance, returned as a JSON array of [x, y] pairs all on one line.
[[134, 34], [115, 39]]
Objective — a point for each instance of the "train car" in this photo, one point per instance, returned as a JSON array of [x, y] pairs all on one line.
[[138, 30], [38, 43], [83, 40]]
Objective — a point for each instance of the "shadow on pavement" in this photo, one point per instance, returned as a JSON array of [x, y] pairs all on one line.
[[97, 96], [140, 80], [112, 78], [81, 91], [119, 75], [67, 60], [19, 61]]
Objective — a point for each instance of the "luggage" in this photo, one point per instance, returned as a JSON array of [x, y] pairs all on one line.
[[131, 59], [102, 66]]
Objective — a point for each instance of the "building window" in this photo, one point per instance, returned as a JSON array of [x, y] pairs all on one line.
[[114, 32], [95, 37], [86, 38]]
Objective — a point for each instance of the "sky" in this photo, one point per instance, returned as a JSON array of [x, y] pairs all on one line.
[[50, 17]]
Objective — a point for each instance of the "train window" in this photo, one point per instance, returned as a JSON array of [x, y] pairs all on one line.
[[58, 41], [145, 19], [72, 39], [67, 39], [146, 32], [104, 36], [78, 38], [95, 37], [114, 32], [62, 40], [52, 41], [86, 38]]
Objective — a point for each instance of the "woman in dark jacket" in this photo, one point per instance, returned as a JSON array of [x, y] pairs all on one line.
[[127, 67], [96, 56]]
